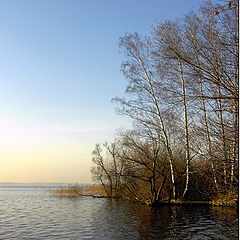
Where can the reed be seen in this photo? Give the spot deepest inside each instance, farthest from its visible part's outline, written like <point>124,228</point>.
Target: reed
<point>76,190</point>
<point>71,191</point>
<point>94,190</point>
<point>230,199</point>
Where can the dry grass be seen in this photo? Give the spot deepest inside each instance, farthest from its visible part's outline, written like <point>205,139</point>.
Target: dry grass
<point>77,191</point>
<point>179,202</point>
<point>71,191</point>
<point>94,190</point>
<point>194,202</point>
<point>230,199</point>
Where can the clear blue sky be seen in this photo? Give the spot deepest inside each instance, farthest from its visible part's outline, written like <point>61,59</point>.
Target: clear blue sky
<point>59,69</point>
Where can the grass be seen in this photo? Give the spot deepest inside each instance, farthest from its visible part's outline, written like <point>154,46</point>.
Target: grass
<point>179,202</point>
<point>78,191</point>
<point>71,191</point>
<point>230,199</point>
<point>94,190</point>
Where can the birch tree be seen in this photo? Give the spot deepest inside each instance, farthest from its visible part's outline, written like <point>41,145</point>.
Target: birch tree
<point>144,107</point>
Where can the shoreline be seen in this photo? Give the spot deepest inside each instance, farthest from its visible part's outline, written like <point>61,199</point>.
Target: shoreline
<point>97,192</point>
<point>192,203</point>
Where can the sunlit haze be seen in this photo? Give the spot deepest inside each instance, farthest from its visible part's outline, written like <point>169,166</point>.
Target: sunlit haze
<point>60,68</point>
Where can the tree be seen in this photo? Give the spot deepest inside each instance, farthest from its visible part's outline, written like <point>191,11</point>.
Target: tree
<point>107,168</point>
<point>144,107</point>
<point>145,162</point>
<point>182,97</point>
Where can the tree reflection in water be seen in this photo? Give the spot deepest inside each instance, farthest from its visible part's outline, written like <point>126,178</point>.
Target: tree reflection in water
<point>188,222</point>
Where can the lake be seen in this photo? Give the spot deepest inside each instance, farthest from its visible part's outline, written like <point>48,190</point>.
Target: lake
<point>28,211</point>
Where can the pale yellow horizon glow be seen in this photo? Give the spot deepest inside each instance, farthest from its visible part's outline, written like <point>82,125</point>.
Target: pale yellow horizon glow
<point>45,154</point>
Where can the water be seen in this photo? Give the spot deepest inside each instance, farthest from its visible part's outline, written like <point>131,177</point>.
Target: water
<point>29,212</point>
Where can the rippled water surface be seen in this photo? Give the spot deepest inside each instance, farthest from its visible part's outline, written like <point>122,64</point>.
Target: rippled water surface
<point>30,212</point>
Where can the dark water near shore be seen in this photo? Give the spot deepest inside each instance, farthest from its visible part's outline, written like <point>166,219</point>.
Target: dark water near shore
<point>27,211</point>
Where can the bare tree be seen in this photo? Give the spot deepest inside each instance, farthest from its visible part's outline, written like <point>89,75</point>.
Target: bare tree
<point>182,96</point>
<point>145,161</point>
<point>100,171</point>
<point>168,47</point>
<point>144,108</point>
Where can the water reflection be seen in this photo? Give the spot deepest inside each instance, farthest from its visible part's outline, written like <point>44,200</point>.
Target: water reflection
<point>184,222</point>
<point>119,218</point>
<point>30,213</point>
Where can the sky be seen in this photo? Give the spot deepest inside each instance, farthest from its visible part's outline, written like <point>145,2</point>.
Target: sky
<point>59,69</point>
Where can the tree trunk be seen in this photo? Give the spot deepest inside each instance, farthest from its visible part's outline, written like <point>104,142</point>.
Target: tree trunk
<point>187,151</point>
<point>164,134</point>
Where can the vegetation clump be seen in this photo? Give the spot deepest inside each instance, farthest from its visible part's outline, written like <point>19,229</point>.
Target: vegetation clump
<point>230,199</point>
<point>71,191</point>
<point>183,100</point>
<point>90,190</point>
<point>95,190</point>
